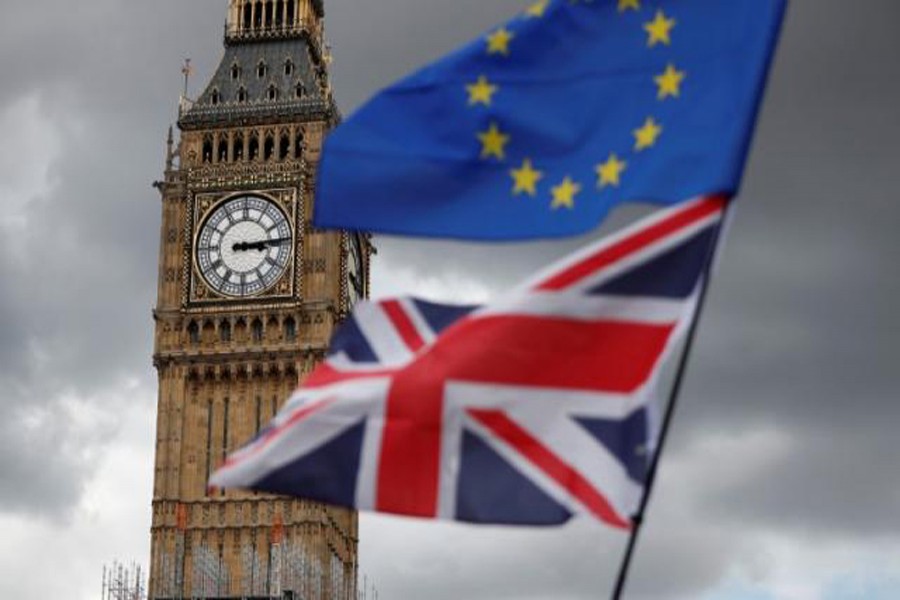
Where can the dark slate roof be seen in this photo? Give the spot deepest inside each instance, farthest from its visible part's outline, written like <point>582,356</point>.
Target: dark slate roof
<point>309,74</point>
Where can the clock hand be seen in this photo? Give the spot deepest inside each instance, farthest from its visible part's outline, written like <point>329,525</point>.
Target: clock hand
<point>259,246</point>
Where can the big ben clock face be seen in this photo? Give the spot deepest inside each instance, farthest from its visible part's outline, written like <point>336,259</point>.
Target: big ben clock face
<point>244,246</point>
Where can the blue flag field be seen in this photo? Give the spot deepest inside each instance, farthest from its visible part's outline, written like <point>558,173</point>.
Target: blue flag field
<point>541,126</point>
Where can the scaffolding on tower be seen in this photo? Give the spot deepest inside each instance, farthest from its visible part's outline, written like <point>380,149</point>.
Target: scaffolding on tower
<point>121,582</point>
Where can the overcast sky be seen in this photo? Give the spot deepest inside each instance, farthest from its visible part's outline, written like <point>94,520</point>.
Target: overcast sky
<point>782,481</point>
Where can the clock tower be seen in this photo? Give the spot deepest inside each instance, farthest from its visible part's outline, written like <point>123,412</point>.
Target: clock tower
<point>249,293</point>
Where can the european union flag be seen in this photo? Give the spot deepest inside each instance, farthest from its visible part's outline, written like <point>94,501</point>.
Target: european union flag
<point>544,124</point>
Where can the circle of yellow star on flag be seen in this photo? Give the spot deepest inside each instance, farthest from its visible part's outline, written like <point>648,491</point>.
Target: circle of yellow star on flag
<point>526,178</point>
<point>481,92</point>
<point>647,134</point>
<point>564,194</point>
<point>669,82</point>
<point>537,9</point>
<point>659,29</point>
<point>610,172</point>
<point>493,143</point>
<point>498,42</point>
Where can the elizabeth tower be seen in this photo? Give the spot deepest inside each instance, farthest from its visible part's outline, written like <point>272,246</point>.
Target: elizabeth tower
<point>249,293</point>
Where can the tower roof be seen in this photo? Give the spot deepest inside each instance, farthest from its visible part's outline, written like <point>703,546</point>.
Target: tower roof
<point>274,68</point>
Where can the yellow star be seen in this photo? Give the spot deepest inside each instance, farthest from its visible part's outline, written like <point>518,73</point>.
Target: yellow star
<point>610,172</point>
<point>481,92</point>
<point>537,9</point>
<point>647,134</point>
<point>493,143</point>
<point>564,194</point>
<point>526,178</point>
<point>498,42</point>
<point>670,82</point>
<point>632,4</point>
<point>660,29</point>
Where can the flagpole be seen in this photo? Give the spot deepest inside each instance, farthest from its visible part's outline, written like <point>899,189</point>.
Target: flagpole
<point>638,519</point>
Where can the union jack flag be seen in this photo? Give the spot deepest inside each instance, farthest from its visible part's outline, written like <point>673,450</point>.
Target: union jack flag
<point>530,410</point>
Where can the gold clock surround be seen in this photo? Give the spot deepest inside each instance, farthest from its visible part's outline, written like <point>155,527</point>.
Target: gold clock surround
<point>290,283</point>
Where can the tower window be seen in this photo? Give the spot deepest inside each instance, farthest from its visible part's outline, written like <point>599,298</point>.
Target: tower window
<point>194,333</point>
<point>269,14</point>
<point>279,13</point>
<point>237,152</point>
<point>256,330</point>
<point>300,90</point>
<point>242,95</point>
<point>298,145</point>
<point>235,71</point>
<point>225,331</point>
<point>207,149</point>
<point>284,146</point>
<point>254,148</point>
<point>272,93</point>
<point>289,67</point>
<point>215,97</point>
<point>269,148</point>
<point>223,149</point>
<point>258,15</point>
<point>248,15</point>
<point>290,11</point>
<point>261,70</point>
<point>290,330</point>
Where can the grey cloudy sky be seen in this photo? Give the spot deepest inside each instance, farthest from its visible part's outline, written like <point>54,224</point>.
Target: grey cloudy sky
<point>782,481</point>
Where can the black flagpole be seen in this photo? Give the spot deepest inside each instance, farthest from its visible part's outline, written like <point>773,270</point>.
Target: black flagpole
<point>638,519</point>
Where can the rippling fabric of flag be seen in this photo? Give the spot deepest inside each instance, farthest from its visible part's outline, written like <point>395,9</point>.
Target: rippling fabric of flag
<point>543,125</point>
<point>529,410</point>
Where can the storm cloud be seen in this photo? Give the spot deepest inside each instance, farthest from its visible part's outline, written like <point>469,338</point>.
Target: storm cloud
<point>781,480</point>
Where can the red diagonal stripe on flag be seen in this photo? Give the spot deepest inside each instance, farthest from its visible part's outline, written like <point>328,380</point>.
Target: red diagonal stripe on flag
<point>301,414</point>
<point>325,375</point>
<point>644,237</point>
<point>403,324</point>
<point>549,464</point>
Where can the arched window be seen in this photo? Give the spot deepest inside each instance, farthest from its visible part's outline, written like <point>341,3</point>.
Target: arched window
<point>237,152</point>
<point>284,146</point>
<point>300,90</point>
<point>279,13</point>
<point>207,149</point>
<point>254,148</point>
<point>242,94</point>
<point>194,333</point>
<point>223,149</point>
<point>298,145</point>
<point>272,93</point>
<point>269,148</point>
<point>248,15</point>
<point>290,329</point>
<point>215,97</point>
<point>261,69</point>
<point>257,22</point>
<point>236,71</point>
<point>288,67</point>
<point>256,330</point>
<point>270,17</point>
<point>225,331</point>
<point>290,11</point>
